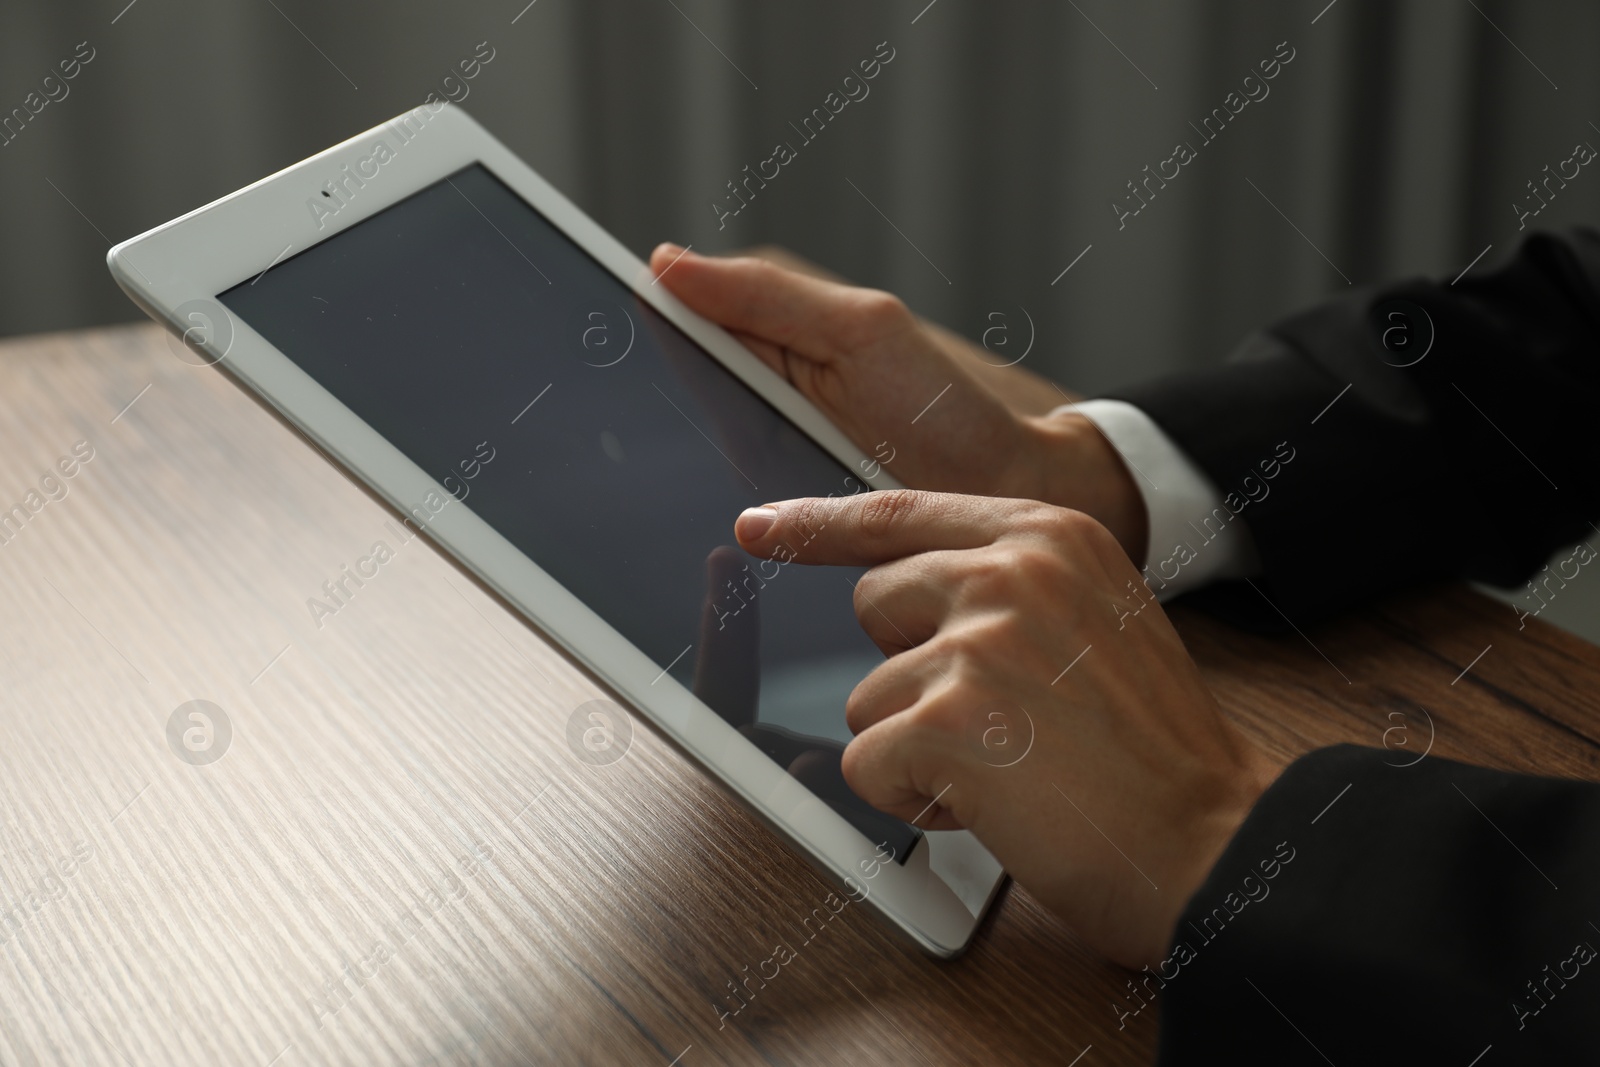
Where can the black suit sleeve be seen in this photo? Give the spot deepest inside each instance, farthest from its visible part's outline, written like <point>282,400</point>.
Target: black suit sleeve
<point>1477,460</point>
<point>1369,913</point>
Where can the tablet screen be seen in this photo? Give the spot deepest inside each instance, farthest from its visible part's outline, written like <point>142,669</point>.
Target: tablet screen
<point>504,360</point>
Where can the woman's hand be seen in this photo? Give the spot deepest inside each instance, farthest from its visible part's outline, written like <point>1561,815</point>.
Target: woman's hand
<point>1113,784</point>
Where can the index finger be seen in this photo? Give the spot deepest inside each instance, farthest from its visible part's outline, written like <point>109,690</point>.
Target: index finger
<point>871,528</point>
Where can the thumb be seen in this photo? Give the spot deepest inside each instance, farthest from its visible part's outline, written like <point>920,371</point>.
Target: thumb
<point>817,319</point>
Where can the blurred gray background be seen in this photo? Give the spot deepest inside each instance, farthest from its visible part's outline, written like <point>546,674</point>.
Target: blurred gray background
<point>983,162</point>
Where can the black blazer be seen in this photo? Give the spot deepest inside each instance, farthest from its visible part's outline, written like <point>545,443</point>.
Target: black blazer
<point>1477,461</point>
<point>1368,911</point>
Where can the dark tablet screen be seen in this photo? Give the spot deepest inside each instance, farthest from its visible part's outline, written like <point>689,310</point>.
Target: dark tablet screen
<point>503,359</point>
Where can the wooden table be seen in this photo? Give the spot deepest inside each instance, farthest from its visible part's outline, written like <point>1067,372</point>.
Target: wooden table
<point>400,859</point>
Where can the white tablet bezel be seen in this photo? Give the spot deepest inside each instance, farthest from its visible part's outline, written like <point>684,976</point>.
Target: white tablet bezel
<point>939,896</point>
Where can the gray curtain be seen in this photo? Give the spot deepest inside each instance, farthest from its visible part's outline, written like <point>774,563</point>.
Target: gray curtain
<point>984,160</point>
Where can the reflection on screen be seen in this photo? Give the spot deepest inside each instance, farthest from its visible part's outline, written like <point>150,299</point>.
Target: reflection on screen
<point>597,438</point>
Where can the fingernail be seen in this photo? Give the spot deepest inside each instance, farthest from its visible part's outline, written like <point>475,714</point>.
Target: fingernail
<point>753,523</point>
<point>669,248</point>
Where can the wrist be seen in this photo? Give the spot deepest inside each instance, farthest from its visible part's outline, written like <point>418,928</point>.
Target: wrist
<point>1214,822</point>
<point>1075,466</point>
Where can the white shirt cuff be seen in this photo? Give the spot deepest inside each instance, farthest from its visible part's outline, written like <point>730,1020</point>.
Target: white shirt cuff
<point>1194,538</point>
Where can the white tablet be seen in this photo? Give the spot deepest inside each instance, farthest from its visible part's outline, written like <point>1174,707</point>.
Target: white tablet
<point>464,341</point>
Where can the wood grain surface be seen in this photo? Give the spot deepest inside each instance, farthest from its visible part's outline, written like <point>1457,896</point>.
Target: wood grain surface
<point>400,859</point>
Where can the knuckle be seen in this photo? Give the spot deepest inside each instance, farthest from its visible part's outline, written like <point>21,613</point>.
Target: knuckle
<point>1005,645</point>
<point>1010,573</point>
<point>753,259</point>
<point>883,513</point>
<point>990,575</point>
<point>865,594</point>
<point>1006,638</point>
<point>1064,526</point>
<point>763,271</point>
<point>961,652</point>
<point>877,312</point>
<point>1036,565</point>
<point>992,641</point>
<point>984,652</point>
<point>1047,520</point>
<point>944,715</point>
<point>770,253</point>
<point>855,773</point>
<point>858,707</point>
<point>878,305</point>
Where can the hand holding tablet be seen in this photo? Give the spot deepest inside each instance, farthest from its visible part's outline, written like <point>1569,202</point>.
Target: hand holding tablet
<point>891,382</point>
